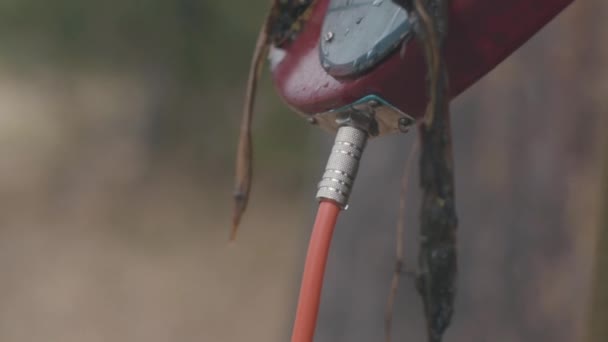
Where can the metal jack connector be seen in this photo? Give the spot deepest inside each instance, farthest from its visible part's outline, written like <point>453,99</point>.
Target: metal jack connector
<point>341,170</point>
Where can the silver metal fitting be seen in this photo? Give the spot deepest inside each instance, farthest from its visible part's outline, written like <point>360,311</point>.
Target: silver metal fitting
<point>339,176</point>
<point>370,113</point>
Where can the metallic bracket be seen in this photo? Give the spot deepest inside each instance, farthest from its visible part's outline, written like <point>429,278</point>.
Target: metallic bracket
<point>385,119</point>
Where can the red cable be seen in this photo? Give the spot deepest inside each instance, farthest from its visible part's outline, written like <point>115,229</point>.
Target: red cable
<point>314,270</point>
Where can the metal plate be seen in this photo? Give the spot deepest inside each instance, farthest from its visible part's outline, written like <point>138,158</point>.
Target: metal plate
<point>357,34</point>
<point>385,118</point>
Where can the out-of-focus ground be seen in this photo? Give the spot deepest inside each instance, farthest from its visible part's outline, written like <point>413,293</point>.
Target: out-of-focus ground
<point>117,134</point>
<point>94,246</point>
<point>118,126</point>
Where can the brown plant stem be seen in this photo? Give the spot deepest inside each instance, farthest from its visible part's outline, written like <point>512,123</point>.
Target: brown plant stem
<point>244,157</point>
<point>399,244</point>
<point>598,329</point>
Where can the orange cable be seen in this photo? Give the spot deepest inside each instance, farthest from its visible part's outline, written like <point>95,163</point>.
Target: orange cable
<point>314,270</point>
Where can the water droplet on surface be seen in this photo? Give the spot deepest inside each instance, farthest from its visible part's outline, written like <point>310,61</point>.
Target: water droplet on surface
<point>359,20</point>
<point>371,54</point>
<point>329,36</point>
<point>377,2</point>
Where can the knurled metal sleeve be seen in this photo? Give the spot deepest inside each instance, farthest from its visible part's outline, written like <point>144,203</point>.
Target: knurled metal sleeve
<point>341,170</point>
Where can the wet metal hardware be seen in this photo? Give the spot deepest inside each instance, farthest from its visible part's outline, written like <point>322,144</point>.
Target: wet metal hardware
<point>370,113</point>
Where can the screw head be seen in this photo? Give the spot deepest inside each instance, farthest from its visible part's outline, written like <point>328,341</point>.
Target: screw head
<point>373,103</point>
<point>404,124</point>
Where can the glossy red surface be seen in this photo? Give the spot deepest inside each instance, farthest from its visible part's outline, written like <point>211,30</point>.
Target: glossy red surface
<point>482,34</point>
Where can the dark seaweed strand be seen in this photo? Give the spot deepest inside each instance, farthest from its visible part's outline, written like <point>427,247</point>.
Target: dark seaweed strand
<point>288,18</point>
<point>437,256</point>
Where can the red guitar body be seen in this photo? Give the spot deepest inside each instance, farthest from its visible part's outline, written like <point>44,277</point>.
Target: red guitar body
<point>482,33</point>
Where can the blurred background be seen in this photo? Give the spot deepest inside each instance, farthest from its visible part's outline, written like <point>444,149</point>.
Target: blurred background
<point>118,127</point>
